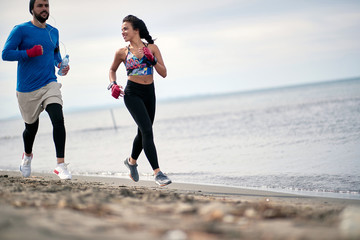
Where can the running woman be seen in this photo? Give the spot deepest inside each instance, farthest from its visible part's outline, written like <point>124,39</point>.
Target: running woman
<point>140,59</point>
<point>35,46</point>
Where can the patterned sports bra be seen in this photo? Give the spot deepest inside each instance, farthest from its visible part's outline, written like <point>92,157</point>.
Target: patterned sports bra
<point>137,67</point>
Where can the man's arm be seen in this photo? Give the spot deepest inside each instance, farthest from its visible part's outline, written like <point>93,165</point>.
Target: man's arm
<point>57,54</point>
<point>11,51</point>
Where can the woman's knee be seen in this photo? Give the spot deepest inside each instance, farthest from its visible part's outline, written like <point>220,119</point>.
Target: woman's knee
<point>147,133</point>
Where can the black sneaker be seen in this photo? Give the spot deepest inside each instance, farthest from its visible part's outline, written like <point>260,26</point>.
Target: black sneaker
<point>134,175</point>
<point>162,179</point>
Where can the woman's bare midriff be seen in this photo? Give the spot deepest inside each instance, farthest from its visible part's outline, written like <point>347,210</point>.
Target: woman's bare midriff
<point>146,80</point>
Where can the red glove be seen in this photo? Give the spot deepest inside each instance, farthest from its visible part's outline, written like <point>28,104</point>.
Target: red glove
<point>115,91</point>
<point>35,51</point>
<point>149,56</point>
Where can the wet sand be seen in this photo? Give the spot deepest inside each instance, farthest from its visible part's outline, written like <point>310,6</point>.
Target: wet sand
<point>44,207</point>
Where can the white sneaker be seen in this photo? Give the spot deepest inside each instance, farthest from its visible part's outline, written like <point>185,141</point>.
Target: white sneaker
<point>62,172</point>
<point>25,167</point>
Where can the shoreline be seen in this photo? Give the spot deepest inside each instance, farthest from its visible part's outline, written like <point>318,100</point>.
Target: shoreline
<point>92,207</point>
<point>303,193</point>
<point>148,182</point>
<point>221,190</point>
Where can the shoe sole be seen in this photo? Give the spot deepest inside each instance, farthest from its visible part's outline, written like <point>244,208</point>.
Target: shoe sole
<point>57,174</point>
<point>67,178</point>
<point>165,184</point>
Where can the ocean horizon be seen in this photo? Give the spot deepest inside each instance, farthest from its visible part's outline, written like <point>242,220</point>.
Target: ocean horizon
<point>70,110</point>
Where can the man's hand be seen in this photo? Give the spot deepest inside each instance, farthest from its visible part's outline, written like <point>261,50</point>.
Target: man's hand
<point>65,70</point>
<point>35,51</point>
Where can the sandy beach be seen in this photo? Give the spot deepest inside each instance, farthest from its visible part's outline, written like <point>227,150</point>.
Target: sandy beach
<point>44,207</point>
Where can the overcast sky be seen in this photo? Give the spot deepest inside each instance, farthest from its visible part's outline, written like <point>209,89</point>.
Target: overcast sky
<point>208,46</point>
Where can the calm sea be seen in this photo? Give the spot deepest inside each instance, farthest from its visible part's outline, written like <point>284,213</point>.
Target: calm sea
<point>303,140</point>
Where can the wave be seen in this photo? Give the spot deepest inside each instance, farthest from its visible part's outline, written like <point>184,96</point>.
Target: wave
<point>341,186</point>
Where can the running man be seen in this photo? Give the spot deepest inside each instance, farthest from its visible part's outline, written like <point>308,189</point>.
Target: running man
<point>35,46</point>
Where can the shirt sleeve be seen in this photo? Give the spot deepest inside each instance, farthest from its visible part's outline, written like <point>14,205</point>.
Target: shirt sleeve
<point>11,50</point>
<point>57,55</point>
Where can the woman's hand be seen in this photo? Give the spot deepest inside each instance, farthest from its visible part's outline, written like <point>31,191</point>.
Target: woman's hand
<point>116,91</point>
<point>148,54</point>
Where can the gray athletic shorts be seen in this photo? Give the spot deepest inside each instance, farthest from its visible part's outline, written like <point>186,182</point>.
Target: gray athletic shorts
<point>31,104</point>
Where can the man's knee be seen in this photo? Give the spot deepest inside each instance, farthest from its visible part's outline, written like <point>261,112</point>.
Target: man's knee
<point>32,128</point>
<point>56,114</point>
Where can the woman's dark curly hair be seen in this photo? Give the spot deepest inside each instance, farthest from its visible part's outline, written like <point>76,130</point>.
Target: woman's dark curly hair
<point>139,24</point>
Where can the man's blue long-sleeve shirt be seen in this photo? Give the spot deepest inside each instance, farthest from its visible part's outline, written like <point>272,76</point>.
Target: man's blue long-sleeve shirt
<point>36,72</point>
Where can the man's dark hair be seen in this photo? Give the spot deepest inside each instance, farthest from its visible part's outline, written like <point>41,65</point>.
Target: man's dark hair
<point>31,5</point>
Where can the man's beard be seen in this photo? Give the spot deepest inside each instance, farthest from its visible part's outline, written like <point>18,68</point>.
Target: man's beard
<point>40,18</point>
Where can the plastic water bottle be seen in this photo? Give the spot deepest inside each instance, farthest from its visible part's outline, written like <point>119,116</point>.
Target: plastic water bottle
<point>64,64</point>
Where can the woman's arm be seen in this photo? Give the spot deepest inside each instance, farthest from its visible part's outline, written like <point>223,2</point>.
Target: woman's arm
<point>118,59</point>
<point>159,66</point>
<point>116,90</point>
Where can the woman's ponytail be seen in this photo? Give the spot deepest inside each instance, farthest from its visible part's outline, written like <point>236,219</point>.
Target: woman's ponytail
<point>147,37</point>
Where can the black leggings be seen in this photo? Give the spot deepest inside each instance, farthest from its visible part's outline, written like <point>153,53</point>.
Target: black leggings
<point>140,100</point>
<point>59,135</point>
